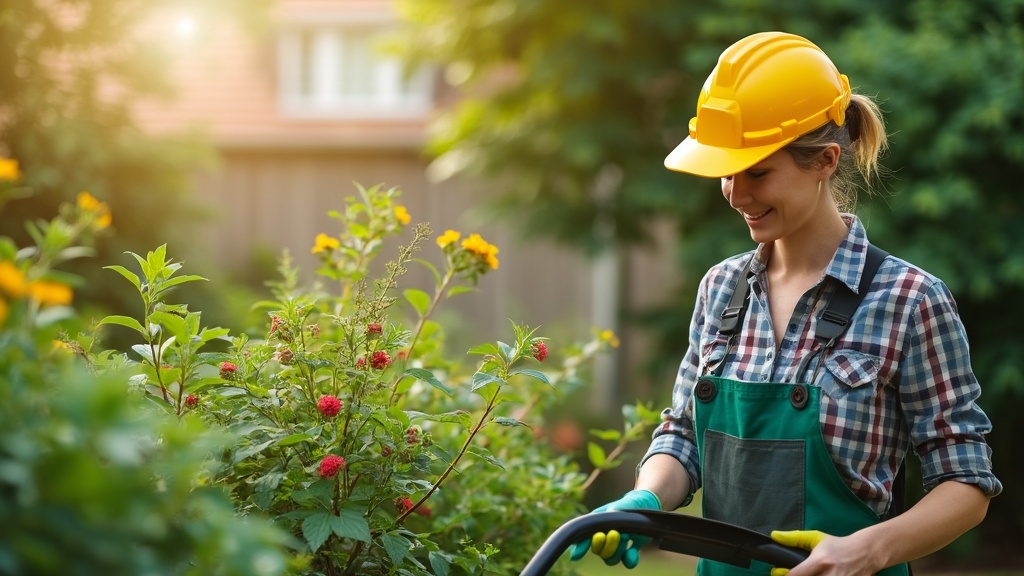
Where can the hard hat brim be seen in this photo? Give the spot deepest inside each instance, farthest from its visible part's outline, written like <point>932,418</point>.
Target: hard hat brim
<point>692,157</point>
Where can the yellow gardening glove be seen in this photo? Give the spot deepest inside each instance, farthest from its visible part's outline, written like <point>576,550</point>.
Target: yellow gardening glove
<point>806,539</point>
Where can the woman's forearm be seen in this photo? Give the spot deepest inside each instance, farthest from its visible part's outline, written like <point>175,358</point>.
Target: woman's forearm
<point>666,477</point>
<point>941,516</point>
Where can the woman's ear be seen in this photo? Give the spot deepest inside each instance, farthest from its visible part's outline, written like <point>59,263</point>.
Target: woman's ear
<point>830,159</point>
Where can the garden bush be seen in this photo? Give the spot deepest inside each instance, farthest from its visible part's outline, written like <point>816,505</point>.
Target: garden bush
<point>340,433</point>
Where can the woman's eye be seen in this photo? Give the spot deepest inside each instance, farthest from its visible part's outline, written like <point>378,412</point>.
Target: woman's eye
<point>756,173</point>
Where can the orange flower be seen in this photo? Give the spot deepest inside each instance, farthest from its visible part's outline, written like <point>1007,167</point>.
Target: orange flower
<point>482,248</point>
<point>402,215</point>
<point>9,169</point>
<point>448,237</point>
<point>4,310</point>
<point>98,210</point>
<point>49,293</point>
<point>325,242</point>
<point>12,279</point>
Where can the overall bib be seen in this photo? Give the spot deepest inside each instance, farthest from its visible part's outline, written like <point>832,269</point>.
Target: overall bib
<point>764,462</point>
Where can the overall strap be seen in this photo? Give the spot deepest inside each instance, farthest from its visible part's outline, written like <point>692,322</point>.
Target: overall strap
<point>833,320</point>
<point>836,316</point>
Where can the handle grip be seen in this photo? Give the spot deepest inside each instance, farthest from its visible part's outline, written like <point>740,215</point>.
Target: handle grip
<point>671,531</point>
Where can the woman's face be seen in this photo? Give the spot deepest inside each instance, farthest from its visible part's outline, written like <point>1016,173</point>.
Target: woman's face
<point>778,199</point>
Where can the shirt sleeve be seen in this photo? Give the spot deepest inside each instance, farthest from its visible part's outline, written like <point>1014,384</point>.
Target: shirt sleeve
<point>675,436</point>
<point>939,393</point>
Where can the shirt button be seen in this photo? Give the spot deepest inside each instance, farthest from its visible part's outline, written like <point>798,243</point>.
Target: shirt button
<point>769,355</point>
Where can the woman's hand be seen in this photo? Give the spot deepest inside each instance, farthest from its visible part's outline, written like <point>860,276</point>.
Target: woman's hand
<point>830,555</point>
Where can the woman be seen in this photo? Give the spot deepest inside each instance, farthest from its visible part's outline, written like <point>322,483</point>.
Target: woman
<point>795,422</point>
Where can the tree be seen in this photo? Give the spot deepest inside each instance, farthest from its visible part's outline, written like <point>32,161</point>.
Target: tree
<point>567,99</point>
<point>70,75</point>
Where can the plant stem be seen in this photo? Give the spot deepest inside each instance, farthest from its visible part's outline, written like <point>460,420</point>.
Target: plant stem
<point>458,457</point>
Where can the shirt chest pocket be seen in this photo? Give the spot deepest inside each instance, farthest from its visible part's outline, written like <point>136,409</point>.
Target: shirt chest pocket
<point>850,376</point>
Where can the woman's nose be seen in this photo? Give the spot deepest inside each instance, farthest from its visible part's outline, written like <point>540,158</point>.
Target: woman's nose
<point>735,193</point>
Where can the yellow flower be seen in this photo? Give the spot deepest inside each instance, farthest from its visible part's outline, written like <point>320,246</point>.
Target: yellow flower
<point>98,210</point>
<point>9,169</point>
<point>401,214</point>
<point>609,337</point>
<point>49,293</point>
<point>12,280</point>
<point>325,242</point>
<point>448,237</point>
<point>482,248</point>
<point>4,310</point>
<point>88,202</point>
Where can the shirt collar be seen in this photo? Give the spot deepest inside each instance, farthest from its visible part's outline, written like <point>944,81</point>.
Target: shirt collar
<point>847,263</point>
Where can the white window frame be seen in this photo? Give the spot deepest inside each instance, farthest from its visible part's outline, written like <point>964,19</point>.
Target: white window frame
<point>323,94</point>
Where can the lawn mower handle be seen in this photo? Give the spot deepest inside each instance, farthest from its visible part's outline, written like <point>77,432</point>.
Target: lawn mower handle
<point>670,531</point>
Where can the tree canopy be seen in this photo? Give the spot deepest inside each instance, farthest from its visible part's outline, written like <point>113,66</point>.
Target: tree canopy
<point>71,73</point>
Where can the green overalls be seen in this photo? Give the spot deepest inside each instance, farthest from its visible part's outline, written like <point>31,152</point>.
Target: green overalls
<point>764,463</point>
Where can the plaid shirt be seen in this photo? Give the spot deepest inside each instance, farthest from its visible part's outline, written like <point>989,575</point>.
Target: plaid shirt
<point>899,377</point>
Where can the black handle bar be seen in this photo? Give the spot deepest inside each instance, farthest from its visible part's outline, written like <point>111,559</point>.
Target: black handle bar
<point>671,531</point>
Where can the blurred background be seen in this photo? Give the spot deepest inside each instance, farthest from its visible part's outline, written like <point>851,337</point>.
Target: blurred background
<point>228,130</point>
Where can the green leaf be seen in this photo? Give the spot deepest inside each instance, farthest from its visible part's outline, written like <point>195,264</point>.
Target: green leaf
<point>396,546</point>
<point>533,374</point>
<point>428,377</point>
<point>213,333</point>
<point>419,300</point>
<point>126,321</point>
<point>506,421</point>
<point>481,379</point>
<point>399,415</point>
<point>507,352</point>
<point>460,290</point>
<point>610,435</point>
<point>432,268</point>
<point>485,349</point>
<point>596,454</point>
<point>460,416</point>
<point>250,451</point>
<point>439,564</point>
<point>127,274</point>
<point>485,455</point>
<point>293,439</point>
<point>317,529</point>
<point>351,524</point>
<point>173,323</point>
<point>168,284</point>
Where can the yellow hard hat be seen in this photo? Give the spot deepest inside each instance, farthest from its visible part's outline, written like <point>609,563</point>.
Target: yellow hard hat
<point>767,89</point>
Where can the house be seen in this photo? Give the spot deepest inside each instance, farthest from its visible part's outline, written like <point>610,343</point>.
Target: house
<point>303,110</point>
